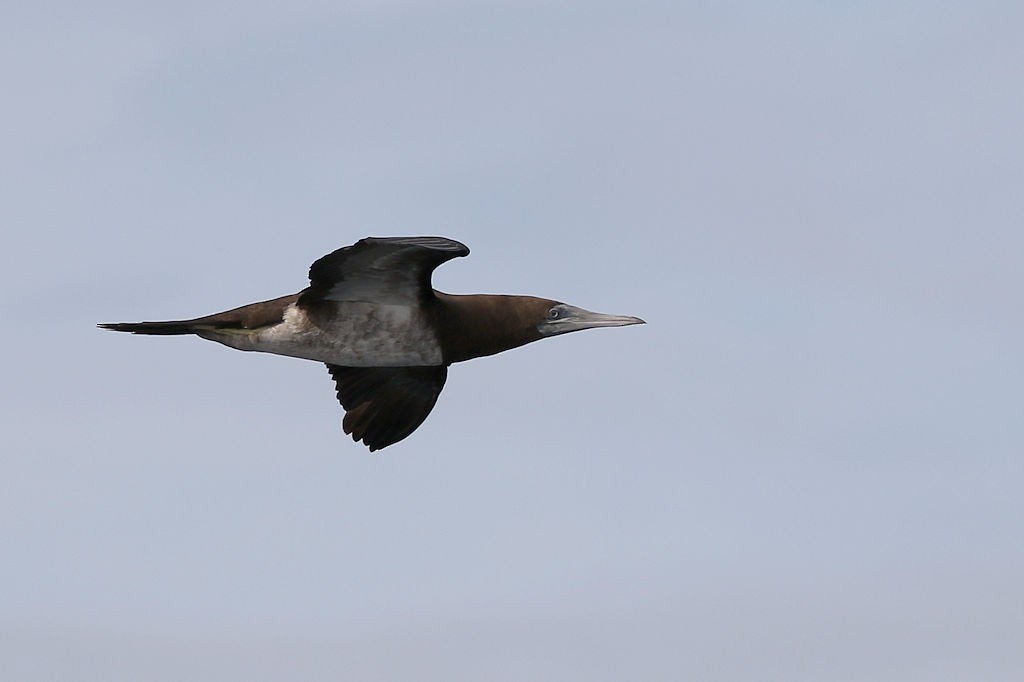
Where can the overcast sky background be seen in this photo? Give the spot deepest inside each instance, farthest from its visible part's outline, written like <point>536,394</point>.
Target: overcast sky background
<point>807,466</point>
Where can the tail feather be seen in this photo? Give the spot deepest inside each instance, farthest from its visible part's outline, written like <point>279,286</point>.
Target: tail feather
<point>167,328</point>
<point>252,316</point>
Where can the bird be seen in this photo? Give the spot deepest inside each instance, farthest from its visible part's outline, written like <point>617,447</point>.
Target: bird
<point>371,314</point>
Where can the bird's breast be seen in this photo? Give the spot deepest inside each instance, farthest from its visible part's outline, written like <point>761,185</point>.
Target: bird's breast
<point>352,333</point>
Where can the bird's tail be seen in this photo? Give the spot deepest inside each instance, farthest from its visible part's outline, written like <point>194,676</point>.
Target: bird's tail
<point>166,328</point>
<point>252,316</point>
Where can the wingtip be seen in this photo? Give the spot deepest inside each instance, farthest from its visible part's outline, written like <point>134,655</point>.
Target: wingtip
<point>431,242</point>
<point>359,437</point>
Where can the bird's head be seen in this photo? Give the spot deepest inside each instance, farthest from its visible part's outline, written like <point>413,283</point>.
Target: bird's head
<point>562,318</point>
<point>484,324</point>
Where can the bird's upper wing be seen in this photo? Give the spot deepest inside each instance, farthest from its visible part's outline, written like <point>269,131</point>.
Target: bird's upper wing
<point>380,270</point>
<point>383,405</point>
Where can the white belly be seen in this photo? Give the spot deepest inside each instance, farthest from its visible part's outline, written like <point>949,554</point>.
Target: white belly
<point>353,333</point>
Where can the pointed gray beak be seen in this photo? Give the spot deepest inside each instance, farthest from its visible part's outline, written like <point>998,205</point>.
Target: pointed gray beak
<point>569,318</point>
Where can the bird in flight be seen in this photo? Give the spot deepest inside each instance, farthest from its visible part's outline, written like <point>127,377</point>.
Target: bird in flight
<point>386,335</point>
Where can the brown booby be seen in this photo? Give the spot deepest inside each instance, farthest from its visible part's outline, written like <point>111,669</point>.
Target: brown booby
<point>387,337</point>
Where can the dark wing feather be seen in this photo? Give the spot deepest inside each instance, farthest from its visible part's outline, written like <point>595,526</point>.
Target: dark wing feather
<point>383,405</point>
<point>380,270</point>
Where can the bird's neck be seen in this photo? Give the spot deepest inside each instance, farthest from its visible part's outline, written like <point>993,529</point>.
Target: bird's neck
<point>476,325</point>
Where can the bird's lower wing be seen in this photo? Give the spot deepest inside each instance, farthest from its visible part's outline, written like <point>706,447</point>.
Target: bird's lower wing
<point>383,405</point>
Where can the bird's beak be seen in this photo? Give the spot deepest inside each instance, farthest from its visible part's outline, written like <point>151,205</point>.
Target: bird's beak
<point>574,319</point>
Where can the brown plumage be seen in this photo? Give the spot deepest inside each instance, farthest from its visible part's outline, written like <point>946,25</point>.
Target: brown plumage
<point>387,337</point>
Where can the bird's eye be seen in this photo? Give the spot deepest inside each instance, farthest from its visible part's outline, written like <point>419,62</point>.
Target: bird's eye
<point>553,314</point>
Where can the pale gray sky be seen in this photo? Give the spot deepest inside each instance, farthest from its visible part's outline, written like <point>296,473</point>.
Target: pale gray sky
<point>807,466</point>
